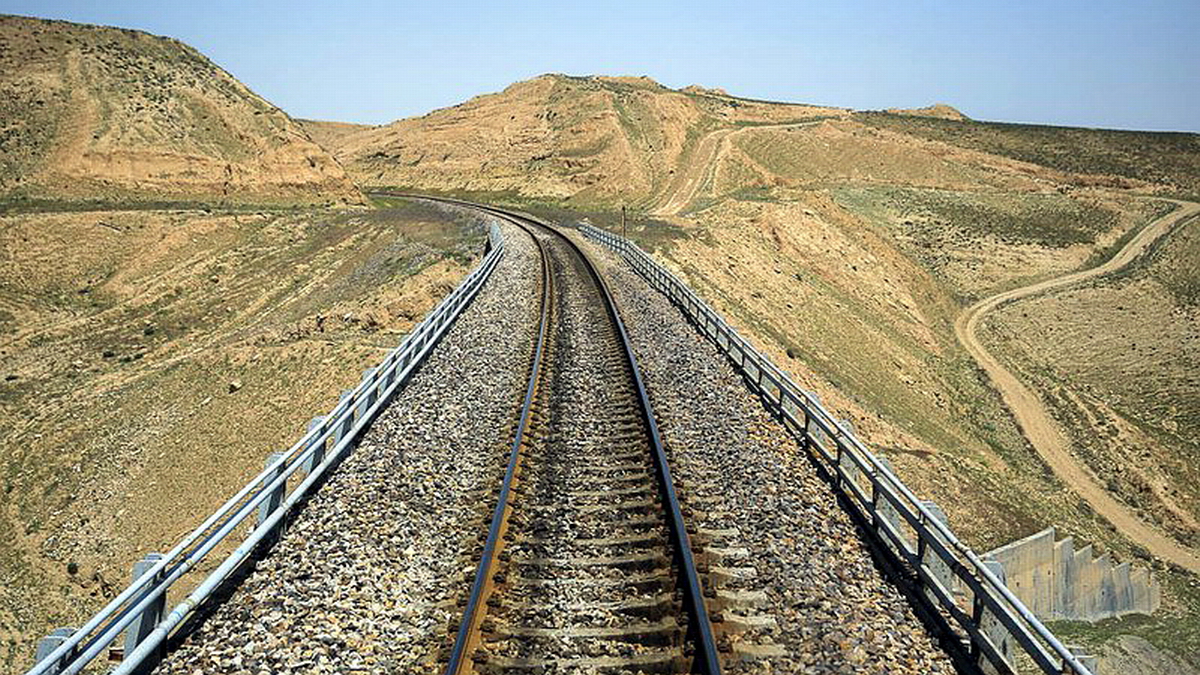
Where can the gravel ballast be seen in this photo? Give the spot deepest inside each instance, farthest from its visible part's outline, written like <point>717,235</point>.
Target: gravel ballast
<point>796,575</point>
<point>368,575</point>
<point>588,584</point>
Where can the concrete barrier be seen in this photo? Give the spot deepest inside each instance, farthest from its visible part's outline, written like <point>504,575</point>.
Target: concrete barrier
<point>1057,582</point>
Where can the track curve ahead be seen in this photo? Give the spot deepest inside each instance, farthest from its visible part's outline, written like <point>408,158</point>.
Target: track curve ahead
<point>587,566</point>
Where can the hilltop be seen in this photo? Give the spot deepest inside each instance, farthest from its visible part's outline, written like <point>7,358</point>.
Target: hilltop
<point>937,110</point>
<point>90,113</point>
<point>603,141</point>
<point>844,243</point>
<point>583,138</point>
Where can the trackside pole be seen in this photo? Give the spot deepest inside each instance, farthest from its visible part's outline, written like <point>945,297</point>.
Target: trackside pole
<point>319,453</point>
<point>48,644</point>
<point>272,502</point>
<point>152,614</point>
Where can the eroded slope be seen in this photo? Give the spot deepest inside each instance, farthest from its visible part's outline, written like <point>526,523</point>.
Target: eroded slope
<point>89,113</point>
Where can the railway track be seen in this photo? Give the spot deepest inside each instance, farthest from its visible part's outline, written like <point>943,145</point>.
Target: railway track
<point>587,567</point>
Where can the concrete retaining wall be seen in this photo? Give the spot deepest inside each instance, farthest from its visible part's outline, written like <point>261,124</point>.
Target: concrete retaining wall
<point>1057,582</point>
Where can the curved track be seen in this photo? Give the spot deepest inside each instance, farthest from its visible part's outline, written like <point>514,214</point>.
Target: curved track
<point>587,566</point>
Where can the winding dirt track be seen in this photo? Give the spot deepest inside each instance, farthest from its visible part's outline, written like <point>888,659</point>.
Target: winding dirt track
<point>703,164</point>
<point>1035,420</point>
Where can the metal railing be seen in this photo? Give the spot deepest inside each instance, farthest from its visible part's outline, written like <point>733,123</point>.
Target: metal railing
<point>967,593</point>
<point>138,611</point>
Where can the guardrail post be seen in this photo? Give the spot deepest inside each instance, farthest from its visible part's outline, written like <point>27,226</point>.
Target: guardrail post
<point>849,470</point>
<point>348,422</point>
<point>885,511</point>
<point>1089,661</point>
<point>369,376</point>
<point>48,644</point>
<point>920,541</point>
<point>318,454</point>
<point>938,568</point>
<point>150,617</point>
<point>273,500</point>
<point>991,627</point>
<point>811,428</point>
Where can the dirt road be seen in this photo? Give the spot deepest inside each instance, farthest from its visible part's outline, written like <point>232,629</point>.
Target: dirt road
<point>686,184</point>
<point>1035,420</point>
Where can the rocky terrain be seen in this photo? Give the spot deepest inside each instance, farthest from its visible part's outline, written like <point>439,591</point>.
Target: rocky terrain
<point>368,576</point>
<point>94,114</point>
<point>375,589</point>
<point>149,280</point>
<point>827,607</point>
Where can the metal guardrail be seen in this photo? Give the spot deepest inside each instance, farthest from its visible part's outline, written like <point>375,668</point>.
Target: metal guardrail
<point>969,596</point>
<point>138,611</point>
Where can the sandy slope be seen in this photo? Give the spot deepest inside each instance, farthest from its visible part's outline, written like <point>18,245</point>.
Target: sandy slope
<point>92,113</point>
<point>1042,431</point>
<point>699,170</point>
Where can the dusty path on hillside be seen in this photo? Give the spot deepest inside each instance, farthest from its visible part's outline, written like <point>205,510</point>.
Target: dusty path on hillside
<point>1035,420</point>
<point>703,163</point>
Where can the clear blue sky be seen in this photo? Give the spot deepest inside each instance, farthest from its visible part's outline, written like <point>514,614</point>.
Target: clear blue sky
<point>1100,63</point>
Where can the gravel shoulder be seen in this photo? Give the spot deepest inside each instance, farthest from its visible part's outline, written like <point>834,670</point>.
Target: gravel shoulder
<point>368,575</point>
<point>796,587</point>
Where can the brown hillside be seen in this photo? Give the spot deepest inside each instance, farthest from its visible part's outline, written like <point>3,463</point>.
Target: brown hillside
<point>589,139</point>
<point>331,134</point>
<point>106,114</point>
<point>121,332</point>
<point>938,110</point>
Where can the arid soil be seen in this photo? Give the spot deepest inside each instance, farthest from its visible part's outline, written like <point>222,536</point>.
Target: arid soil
<point>1036,420</point>
<point>846,244</point>
<point>700,168</point>
<point>152,359</point>
<point>1116,360</point>
<point>331,134</point>
<point>93,114</point>
<point>937,110</point>
<point>583,139</point>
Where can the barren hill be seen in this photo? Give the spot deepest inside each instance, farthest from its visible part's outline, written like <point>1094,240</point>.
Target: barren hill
<point>938,110</point>
<point>331,134</point>
<point>600,141</point>
<point>591,139</point>
<point>107,114</point>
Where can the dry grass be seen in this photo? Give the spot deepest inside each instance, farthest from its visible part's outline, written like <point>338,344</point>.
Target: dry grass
<point>120,333</point>
<point>591,141</point>
<point>1119,360</point>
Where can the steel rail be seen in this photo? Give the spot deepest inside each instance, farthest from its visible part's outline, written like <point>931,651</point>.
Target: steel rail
<point>468,627</point>
<point>706,660</point>
<point>147,648</point>
<point>1043,647</point>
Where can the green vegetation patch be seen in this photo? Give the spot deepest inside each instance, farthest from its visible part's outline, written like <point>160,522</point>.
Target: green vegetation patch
<point>1174,628</point>
<point>652,234</point>
<point>1053,220</point>
<point>1174,263</point>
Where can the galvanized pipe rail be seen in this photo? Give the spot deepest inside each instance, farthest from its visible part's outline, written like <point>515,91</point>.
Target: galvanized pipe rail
<point>138,609</point>
<point>909,531</point>
<point>706,660</point>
